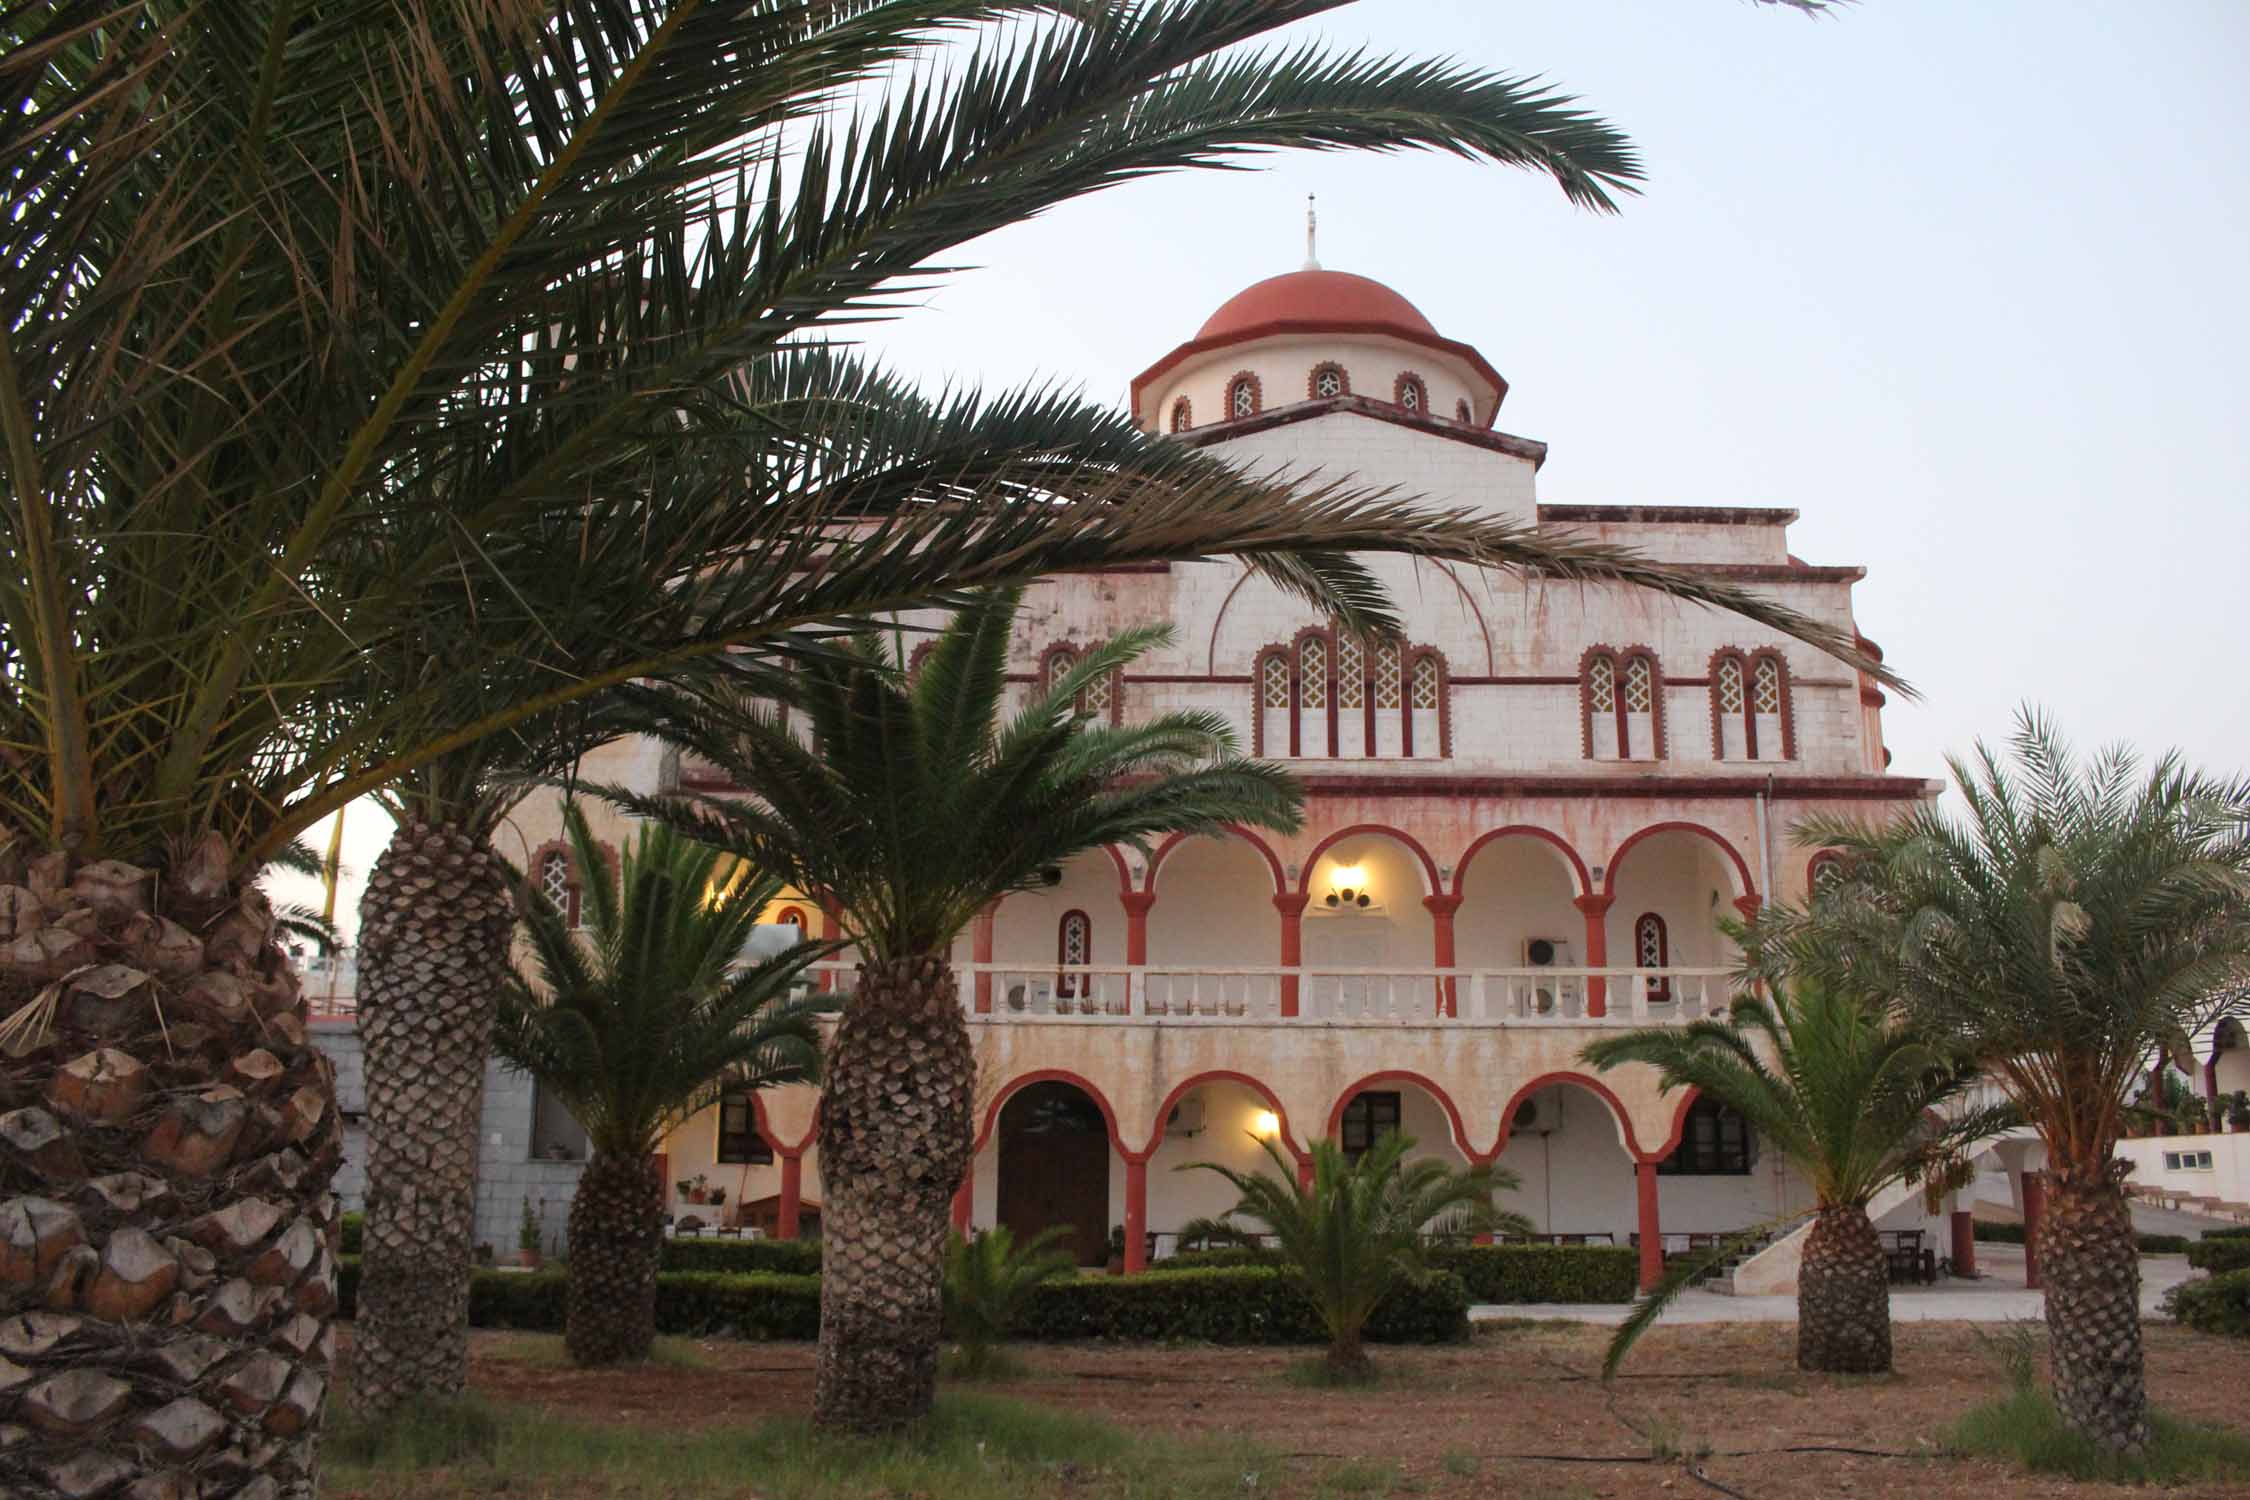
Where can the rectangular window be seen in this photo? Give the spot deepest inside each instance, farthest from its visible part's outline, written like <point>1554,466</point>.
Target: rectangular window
<point>739,1141</point>
<point>1716,1143</point>
<point>2171,1161</point>
<point>1367,1119</point>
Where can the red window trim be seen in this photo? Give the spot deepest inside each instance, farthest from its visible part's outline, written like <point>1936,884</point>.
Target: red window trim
<point>793,916</point>
<point>1620,660</point>
<point>1293,656</point>
<point>1661,991</point>
<point>1183,415</point>
<point>1399,386</point>
<point>1066,985</point>
<point>1257,396</point>
<point>1312,379</point>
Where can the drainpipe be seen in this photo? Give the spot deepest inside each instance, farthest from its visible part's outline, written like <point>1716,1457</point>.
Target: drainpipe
<point>1765,842</point>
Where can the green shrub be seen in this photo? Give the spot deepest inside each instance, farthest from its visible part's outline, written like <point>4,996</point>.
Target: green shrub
<point>2025,1427</point>
<point>2214,1304</point>
<point>2150,1244</point>
<point>353,1228</point>
<point>1225,1258</point>
<point>757,1305</point>
<point>2228,1234</point>
<point>1233,1305</point>
<point>740,1257</point>
<point>1543,1273</point>
<point>2218,1256</point>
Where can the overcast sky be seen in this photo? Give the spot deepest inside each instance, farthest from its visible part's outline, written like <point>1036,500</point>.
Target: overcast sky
<point>1963,283</point>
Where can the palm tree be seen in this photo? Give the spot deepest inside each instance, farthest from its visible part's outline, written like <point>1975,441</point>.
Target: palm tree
<point>2080,918</point>
<point>1848,1092</point>
<point>915,805</point>
<point>342,346</point>
<point>989,1280</point>
<point>1356,1231</point>
<point>635,1025</point>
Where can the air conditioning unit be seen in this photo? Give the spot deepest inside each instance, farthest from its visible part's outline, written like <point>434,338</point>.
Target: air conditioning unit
<point>1186,1119</point>
<point>1549,953</point>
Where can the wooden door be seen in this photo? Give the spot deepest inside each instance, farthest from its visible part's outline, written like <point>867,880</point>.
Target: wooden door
<point>1054,1168</point>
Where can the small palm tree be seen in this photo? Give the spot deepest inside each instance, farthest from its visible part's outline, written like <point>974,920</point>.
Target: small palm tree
<point>2083,917</point>
<point>1356,1231</point>
<point>1844,1089</point>
<point>989,1279</point>
<point>915,805</point>
<point>635,1024</point>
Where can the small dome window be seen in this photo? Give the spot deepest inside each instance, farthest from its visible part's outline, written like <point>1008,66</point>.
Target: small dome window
<point>1461,412</point>
<point>1328,379</point>
<point>1411,393</point>
<point>1183,415</point>
<point>1243,396</point>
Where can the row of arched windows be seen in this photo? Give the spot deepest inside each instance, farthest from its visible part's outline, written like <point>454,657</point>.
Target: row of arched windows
<point>1246,395</point>
<point>1621,705</point>
<point>1333,695</point>
<point>1101,698</point>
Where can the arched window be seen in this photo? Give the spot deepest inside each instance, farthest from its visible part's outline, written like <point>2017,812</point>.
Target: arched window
<point>1333,695</point>
<point>1411,393</point>
<point>559,884</point>
<point>1822,871</point>
<point>1652,949</point>
<point>1101,698</point>
<point>1327,379</point>
<point>1461,412</point>
<point>1715,1142</point>
<point>1074,948</point>
<point>1750,706</point>
<point>1620,697</point>
<point>1183,415</point>
<point>1243,396</point>
<point>792,916</point>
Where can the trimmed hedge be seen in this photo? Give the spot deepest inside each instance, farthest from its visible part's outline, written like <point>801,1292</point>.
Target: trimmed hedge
<point>1224,1259</point>
<point>2228,1234</point>
<point>1232,1305</point>
<point>2150,1244</point>
<point>2220,1255</point>
<point>1244,1305</point>
<point>2215,1304</point>
<point>1543,1273</point>
<point>741,1257</point>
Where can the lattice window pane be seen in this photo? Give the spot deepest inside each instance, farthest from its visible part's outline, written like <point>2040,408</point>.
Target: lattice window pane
<point>1648,943</point>
<point>1730,686</point>
<point>1601,685</point>
<point>1312,662</point>
<point>554,880</point>
<point>1768,686</point>
<point>1329,383</point>
<point>1052,669</point>
<point>1077,939</point>
<point>1273,689</point>
<point>1100,693</point>
<point>1243,399</point>
<point>1386,676</point>
<point>1640,686</point>
<point>1351,672</point>
<point>1410,396</point>
<point>1426,683</point>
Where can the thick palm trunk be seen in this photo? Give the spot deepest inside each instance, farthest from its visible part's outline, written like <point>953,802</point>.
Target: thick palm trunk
<point>894,1140</point>
<point>2091,1267</point>
<point>616,1237</point>
<point>1844,1296</point>
<point>167,1237</point>
<point>434,927</point>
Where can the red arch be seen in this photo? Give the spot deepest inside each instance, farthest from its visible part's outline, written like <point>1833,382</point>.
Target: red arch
<point>1431,884</point>
<point>1461,869</point>
<point>1617,859</point>
<point>1078,1081</point>
<point>1217,1075</point>
<point>1232,830</point>
<point>1124,875</point>
<point>1427,1086</point>
<point>765,1127</point>
<point>1671,1142</point>
<point>1599,1090</point>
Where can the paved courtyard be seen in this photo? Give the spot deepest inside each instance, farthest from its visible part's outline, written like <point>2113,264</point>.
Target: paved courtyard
<point>1997,1296</point>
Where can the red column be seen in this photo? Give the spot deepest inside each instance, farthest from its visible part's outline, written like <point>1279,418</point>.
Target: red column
<point>2034,1209</point>
<point>1291,905</point>
<point>1597,949</point>
<point>831,927</point>
<point>792,1195</point>
<point>1652,1227</point>
<point>965,1199</point>
<point>1965,1243</point>
<point>1748,906</point>
<point>1136,904</point>
<point>1136,1215</point>
<point>1441,910</point>
<point>980,951</point>
<point>1305,1172</point>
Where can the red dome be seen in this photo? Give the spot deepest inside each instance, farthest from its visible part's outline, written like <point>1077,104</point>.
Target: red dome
<point>1313,296</point>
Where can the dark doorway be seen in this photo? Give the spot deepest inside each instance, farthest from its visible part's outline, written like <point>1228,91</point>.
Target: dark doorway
<point>1054,1167</point>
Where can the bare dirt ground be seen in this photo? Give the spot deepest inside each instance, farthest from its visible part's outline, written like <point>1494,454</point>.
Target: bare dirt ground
<point>1517,1410</point>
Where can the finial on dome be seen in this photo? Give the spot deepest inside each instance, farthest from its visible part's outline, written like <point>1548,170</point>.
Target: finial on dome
<point>1312,233</point>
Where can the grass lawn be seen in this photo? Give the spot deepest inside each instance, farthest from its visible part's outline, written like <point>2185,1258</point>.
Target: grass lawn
<point>1515,1411</point>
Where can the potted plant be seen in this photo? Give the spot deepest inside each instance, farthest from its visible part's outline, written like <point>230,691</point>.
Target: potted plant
<point>2194,1116</point>
<point>2238,1110</point>
<point>697,1189</point>
<point>684,1187</point>
<point>1116,1265</point>
<point>484,1254</point>
<point>527,1238</point>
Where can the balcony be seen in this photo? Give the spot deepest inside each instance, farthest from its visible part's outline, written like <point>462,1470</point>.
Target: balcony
<point>1175,995</point>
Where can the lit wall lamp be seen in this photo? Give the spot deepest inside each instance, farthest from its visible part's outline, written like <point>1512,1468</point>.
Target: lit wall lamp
<point>1347,886</point>
<point>1265,1124</point>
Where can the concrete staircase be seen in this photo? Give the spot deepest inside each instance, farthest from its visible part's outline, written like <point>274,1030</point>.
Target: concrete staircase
<point>1721,1277</point>
<point>1772,1272</point>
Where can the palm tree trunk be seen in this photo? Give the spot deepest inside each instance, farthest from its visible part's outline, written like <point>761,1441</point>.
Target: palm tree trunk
<point>1844,1296</point>
<point>1347,1357</point>
<point>894,1140</point>
<point>167,1136</point>
<point>616,1239</point>
<point>2091,1267</point>
<point>434,927</point>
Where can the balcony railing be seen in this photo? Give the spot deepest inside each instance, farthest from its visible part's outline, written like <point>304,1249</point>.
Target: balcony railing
<point>1171,994</point>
